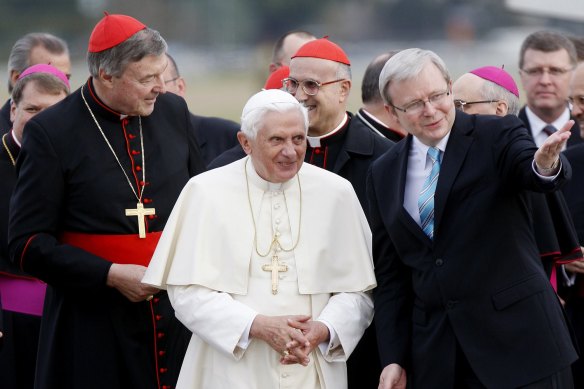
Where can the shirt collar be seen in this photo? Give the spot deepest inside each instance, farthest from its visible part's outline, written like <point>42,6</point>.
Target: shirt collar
<point>537,124</point>
<point>314,141</point>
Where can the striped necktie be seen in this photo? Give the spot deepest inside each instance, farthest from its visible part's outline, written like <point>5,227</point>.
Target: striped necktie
<point>426,199</point>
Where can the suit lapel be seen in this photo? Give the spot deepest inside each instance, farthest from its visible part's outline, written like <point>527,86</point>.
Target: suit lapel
<point>394,204</point>
<point>456,150</point>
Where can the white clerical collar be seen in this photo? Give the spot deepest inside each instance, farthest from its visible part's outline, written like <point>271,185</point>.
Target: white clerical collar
<point>421,150</point>
<point>15,140</point>
<point>264,185</point>
<point>314,141</point>
<point>537,124</point>
<point>375,119</point>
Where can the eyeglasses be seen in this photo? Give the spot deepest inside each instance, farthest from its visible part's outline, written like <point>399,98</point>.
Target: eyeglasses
<point>459,104</point>
<point>417,106</point>
<point>552,71</point>
<point>577,101</point>
<point>172,79</point>
<point>310,87</point>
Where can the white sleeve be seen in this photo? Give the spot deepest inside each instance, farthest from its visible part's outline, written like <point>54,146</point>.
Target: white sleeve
<point>213,316</point>
<point>349,315</point>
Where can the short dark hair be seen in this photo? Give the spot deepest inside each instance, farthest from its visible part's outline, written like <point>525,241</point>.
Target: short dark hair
<point>114,60</point>
<point>46,82</point>
<point>19,58</point>
<point>279,45</point>
<point>370,85</point>
<point>547,41</point>
<point>172,63</point>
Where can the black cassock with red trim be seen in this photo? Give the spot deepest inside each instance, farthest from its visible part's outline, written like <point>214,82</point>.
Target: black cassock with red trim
<point>70,184</point>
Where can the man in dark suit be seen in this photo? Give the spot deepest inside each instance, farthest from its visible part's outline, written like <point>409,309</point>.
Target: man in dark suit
<point>462,299</point>
<point>574,295</point>
<point>373,113</point>
<point>546,63</point>
<point>214,135</point>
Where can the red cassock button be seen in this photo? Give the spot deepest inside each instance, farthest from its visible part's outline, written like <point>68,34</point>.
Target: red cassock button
<point>160,335</point>
<point>163,370</point>
<point>152,217</point>
<point>131,136</point>
<point>158,317</point>
<point>135,152</point>
<point>317,151</point>
<point>161,353</point>
<point>138,168</point>
<point>156,300</point>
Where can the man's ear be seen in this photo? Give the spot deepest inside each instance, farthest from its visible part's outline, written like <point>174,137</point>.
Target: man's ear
<point>106,79</point>
<point>13,77</point>
<point>345,90</point>
<point>502,108</point>
<point>244,142</point>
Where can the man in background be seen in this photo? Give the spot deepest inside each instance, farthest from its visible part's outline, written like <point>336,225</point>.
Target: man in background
<point>546,62</point>
<point>37,88</point>
<point>214,135</point>
<point>286,46</point>
<point>373,113</point>
<point>33,48</point>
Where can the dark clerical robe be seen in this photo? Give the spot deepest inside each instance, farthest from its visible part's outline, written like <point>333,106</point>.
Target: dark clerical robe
<point>214,135</point>
<point>21,295</point>
<point>5,123</point>
<point>72,189</point>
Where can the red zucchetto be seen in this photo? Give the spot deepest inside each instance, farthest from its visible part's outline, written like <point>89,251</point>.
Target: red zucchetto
<point>274,81</point>
<point>113,30</point>
<point>323,48</point>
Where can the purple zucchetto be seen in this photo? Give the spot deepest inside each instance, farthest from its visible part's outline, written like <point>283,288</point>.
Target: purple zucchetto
<point>498,76</point>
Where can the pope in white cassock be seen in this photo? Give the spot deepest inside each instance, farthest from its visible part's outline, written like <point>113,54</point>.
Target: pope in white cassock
<point>268,262</point>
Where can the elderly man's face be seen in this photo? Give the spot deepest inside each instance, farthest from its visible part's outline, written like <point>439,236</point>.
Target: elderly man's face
<point>135,91</point>
<point>435,120</point>
<point>327,108</point>
<point>278,149</point>
<point>33,101</point>
<point>468,89</point>
<point>577,96</point>
<point>546,78</point>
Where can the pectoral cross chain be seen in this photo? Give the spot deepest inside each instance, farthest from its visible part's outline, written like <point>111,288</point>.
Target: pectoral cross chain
<point>276,267</point>
<point>140,212</point>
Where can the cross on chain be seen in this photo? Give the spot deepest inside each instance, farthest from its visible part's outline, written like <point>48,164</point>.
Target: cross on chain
<point>276,267</point>
<point>140,212</point>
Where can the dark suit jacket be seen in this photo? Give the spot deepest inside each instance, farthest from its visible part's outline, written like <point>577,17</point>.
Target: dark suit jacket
<point>480,283</point>
<point>214,135</point>
<point>575,138</point>
<point>5,123</point>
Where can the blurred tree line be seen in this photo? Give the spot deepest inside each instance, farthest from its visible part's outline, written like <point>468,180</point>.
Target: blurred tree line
<point>248,22</point>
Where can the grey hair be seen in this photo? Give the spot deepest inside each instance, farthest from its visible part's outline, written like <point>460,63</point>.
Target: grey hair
<point>254,120</point>
<point>113,61</point>
<point>344,71</point>
<point>19,58</point>
<point>408,64</point>
<point>491,91</point>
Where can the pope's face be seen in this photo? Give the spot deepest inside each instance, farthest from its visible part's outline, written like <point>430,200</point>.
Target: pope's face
<point>278,149</point>
<point>135,91</point>
<point>436,119</point>
<point>33,101</point>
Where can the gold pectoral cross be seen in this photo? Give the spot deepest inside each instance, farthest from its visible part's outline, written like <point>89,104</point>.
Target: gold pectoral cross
<point>276,267</point>
<point>140,212</point>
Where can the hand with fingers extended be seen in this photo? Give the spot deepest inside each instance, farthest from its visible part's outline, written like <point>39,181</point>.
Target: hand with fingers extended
<point>315,333</point>
<point>276,331</point>
<point>127,279</point>
<point>547,157</point>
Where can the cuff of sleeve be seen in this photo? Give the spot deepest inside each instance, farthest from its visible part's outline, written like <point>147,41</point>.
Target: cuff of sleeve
<point>547,178</point>
<point>333,342</point>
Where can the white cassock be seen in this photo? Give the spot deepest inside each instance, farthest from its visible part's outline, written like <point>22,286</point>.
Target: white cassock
<point>208,261</point>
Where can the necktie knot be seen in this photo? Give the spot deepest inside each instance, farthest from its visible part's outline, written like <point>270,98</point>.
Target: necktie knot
<point>549,129</point>
<point>434,154</point>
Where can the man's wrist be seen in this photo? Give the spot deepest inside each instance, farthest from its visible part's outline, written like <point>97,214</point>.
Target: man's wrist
<point>548,170</point>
